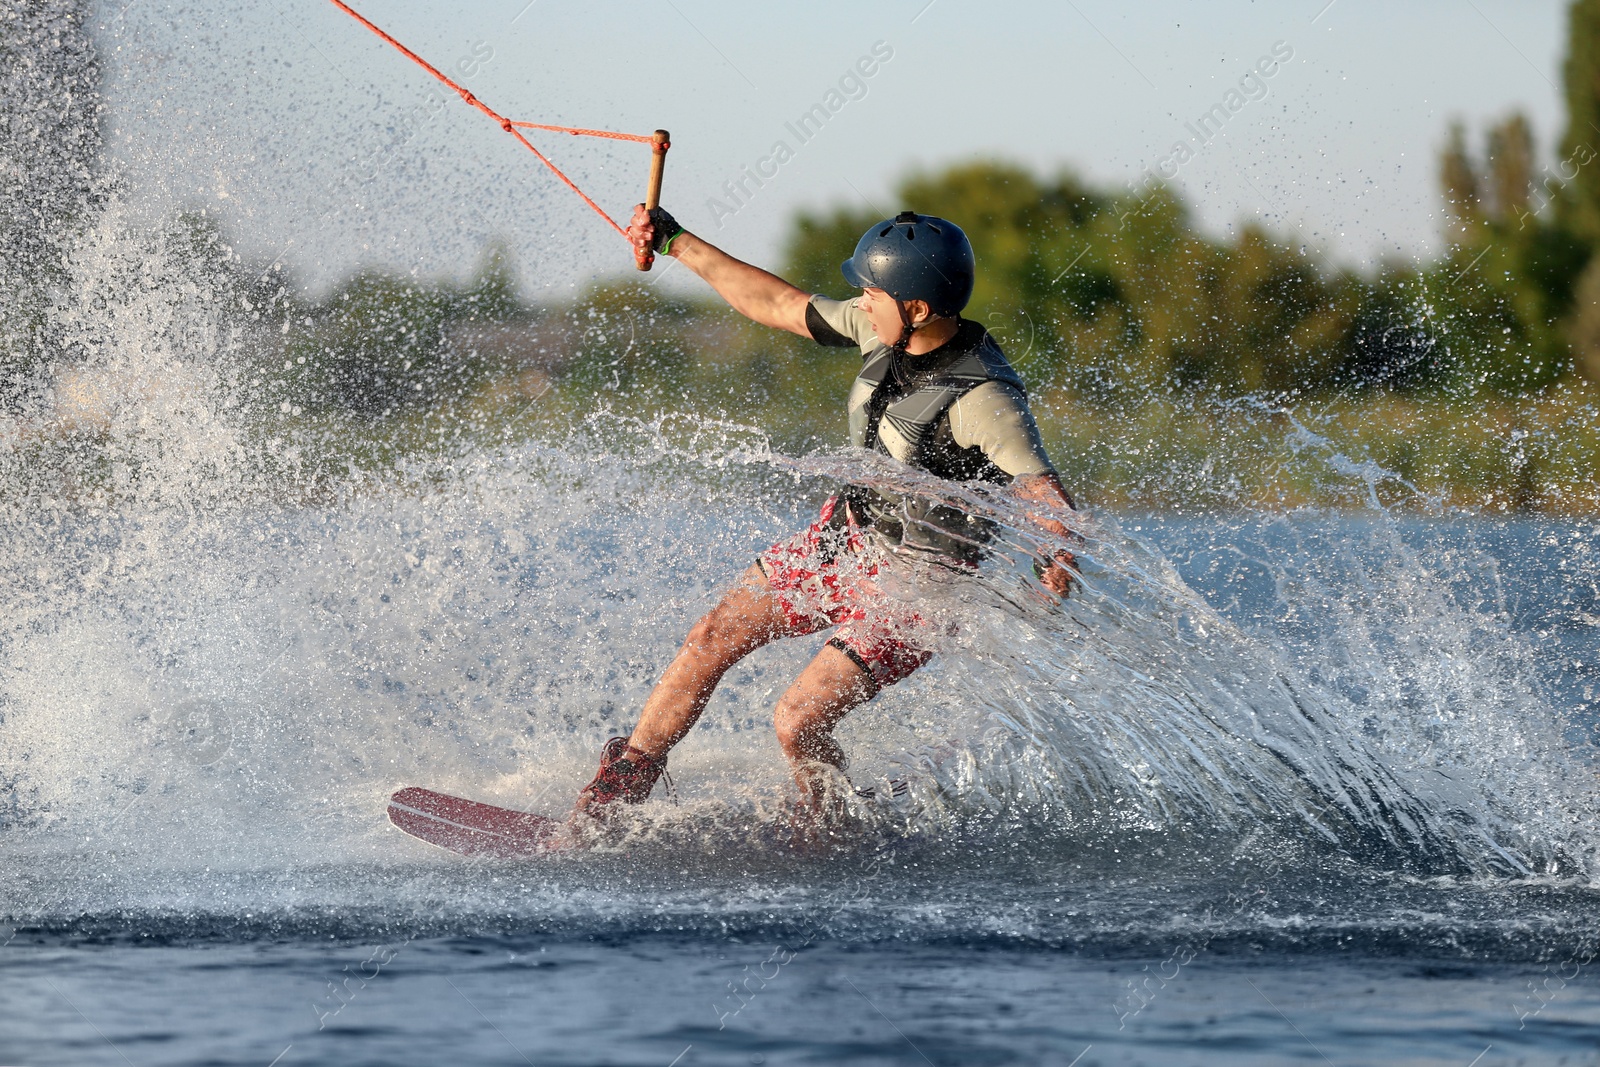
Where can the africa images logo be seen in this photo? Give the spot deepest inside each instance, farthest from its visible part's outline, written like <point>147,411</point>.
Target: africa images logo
<point>1251,88</point>
<point>852,85</point>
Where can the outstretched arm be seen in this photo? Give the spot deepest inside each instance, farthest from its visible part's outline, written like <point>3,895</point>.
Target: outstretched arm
<point>751,291</point>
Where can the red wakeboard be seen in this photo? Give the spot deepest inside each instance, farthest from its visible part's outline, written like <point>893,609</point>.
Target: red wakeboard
<point>472,828</point>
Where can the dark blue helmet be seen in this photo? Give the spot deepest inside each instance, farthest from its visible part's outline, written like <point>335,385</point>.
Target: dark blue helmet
<point>915,257</point>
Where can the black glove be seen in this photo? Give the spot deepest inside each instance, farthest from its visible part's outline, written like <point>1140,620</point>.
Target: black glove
<point>666,227</point>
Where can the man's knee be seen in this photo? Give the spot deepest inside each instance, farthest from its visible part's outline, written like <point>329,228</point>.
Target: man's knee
<point>805,733</point>
<point>724,631</point>
<point>792,726</point>
<point>804,723</point>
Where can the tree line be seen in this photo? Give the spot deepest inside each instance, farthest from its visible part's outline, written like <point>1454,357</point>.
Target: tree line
<point>1115,296</point>
<point>1113,303</point>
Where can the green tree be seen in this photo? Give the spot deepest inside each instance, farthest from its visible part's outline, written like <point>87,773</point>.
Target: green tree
<point>1510,170</point>
<point>626,338</point>
<point>1580,204</point>
<point>377,344</point>
<point>1498,303</point>
<point>492,294</point>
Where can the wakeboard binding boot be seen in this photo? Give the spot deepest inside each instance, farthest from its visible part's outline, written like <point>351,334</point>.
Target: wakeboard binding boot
<point>625,774</point>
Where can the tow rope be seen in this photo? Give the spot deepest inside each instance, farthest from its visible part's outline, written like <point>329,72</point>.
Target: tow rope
<point>659,141</point>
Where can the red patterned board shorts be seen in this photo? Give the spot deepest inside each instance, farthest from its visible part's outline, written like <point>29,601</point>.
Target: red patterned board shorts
<point>826,575</point>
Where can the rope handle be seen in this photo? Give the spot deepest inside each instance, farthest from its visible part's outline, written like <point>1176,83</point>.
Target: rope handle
<point>659,143</point>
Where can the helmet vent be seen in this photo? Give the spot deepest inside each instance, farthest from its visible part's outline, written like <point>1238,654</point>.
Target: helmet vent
<point>911,233</point>
<point>886,231</point>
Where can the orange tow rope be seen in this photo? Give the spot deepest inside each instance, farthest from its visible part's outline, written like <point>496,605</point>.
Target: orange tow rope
<point>659,144</point>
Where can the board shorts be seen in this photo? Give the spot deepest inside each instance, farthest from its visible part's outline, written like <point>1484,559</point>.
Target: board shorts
<point>829,575</point>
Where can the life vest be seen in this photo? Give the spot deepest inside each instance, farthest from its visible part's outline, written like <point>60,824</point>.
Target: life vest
<point>899,406</point>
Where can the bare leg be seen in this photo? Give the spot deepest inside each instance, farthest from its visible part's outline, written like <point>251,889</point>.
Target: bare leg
<point>826,691</point>
<point>748,617</point>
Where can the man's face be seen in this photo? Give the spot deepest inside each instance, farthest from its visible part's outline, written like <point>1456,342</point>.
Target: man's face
<point>885,316</point>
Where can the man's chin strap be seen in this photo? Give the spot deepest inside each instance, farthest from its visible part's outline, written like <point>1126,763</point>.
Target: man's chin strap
<point>906,329</point>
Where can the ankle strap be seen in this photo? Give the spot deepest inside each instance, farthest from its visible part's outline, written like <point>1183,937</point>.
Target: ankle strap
<point>654,761</point>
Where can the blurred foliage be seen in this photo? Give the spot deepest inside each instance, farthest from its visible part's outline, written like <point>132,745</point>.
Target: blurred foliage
<point>1120,293</point>
<point>1168,366</point>
<point>1500,301</point>
<point>1123,296</point>
<point>1573,184</point>
<point>381,343</point>
<point>1580,208</point>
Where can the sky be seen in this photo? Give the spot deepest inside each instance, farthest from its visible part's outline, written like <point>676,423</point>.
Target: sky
<point>320,147</point>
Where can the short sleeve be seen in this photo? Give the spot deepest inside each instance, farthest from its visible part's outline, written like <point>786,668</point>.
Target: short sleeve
<point>994,417</point>
<point>839,324</point>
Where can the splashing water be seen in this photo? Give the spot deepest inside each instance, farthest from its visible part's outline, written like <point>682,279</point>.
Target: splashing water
<point>201,649</point>
<point>187,655</point>
<point>1253,745</point>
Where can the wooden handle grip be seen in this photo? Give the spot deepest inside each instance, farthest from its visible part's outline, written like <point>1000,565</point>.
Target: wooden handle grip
<point>659,143</point>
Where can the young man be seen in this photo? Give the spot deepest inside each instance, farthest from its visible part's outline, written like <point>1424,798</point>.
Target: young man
<point>934,392</point>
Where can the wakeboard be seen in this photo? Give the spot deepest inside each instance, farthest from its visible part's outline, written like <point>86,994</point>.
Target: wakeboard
<point>472,828</point>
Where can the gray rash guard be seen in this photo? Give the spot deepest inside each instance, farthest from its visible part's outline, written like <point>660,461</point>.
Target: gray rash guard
<point>992,417</point>
<point>959,412</point>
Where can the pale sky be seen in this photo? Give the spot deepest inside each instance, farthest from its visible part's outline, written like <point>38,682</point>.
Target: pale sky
<point>287,117</point>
